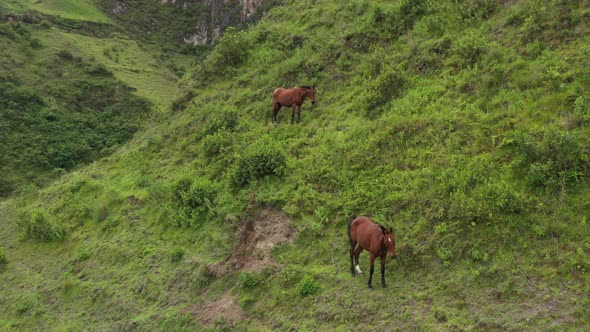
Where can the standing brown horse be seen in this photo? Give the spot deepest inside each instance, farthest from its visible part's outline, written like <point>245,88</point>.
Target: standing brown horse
<point>293,97</point>
<point>374,238</point>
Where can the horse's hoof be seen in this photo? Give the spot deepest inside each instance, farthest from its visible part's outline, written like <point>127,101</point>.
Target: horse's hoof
<point>384,286</point>
<point>370,287</point>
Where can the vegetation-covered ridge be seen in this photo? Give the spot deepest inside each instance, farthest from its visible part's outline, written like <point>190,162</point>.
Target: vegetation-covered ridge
<point>461,124</point>
<point>57,109</point>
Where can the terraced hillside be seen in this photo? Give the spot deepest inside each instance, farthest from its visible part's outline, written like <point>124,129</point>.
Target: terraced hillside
<point>461,124</point>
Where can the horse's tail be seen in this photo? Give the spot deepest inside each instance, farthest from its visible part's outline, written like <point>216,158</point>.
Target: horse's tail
<point>348,232</point>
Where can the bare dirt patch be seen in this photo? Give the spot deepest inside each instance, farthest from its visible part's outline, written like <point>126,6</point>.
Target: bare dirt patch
<point>256,238</point>
<point>226,307</point>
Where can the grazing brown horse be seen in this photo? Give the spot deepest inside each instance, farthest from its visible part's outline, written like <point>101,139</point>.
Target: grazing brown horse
<point>293,97</point>
<point>374,238</point>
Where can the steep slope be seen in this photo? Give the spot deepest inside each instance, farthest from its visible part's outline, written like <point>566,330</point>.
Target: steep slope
<point>464,125</point>
<point>69,98</point>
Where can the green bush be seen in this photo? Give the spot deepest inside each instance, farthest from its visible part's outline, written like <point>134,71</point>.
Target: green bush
<point>65,55</point>
<point>231,51</point>
<point>445,255</point>
<point>225,118</point>
<point>193,200</point>
<point>262,159</point>
<point>471,47</point>
<point>39,225</point>
<point>378,91</point>
<point>83,254</point>
<point>307,286</point>
<point>218,143</point>
<point>550,159</point>
<point>249,279</point>
<point>176,255</point>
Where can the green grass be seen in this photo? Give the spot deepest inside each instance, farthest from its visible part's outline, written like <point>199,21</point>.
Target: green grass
<point>128,62</point>
<point>464,125</point>
<point>79,10</point>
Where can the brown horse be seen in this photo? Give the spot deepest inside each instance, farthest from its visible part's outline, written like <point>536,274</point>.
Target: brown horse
<point>374,238</point>
<point>293,97</point>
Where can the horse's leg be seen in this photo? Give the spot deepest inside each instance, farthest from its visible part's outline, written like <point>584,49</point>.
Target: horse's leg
<point>372,270</point>
<point>383,271</point>
<point>293,112</point>
<point>275,110</point>
<point>299,113</point>
<point>357,253</point>
<point>352,247</point>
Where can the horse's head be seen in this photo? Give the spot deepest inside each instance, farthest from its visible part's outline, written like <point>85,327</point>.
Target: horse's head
<point>311,92</point>
<point>389,242</point>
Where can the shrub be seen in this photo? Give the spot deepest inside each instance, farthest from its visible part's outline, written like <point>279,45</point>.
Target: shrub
<point>445,255</point>
<point>83,254</point>
<point>263,159</point>
<point>177,255</point>
<point>193,200</point>
<point>217,143</point>
<point>65,55</point>
<point>471,48</point>
<point>249,279</point>
<point>307,286</point>
<point>231,51</point>
<point>36,43</point>
<point>38,225</point>
<point>380,90</point>
<point>226,118</point>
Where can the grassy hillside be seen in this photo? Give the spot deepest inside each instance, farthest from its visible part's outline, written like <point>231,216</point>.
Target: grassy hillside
<point>463,125</point>
<point>58,109</point>
<point>80,10</point>
<point>67,98</point>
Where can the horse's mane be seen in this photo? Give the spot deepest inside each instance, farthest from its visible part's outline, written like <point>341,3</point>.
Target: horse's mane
<point>383,229</point>
<point>305,87</point>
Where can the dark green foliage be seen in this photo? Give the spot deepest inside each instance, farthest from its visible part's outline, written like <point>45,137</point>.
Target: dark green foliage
<point>263,158</point>
<point>378,91</point>
<point>177,255</point>
<point>85,119</point>
<point>83,254</point>
<point>65,55</point>
<point>194,201</point>
<point>307,286</point>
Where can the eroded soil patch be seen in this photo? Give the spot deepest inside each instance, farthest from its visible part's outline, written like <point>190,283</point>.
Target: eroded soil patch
<point>208,312</point>
<point>256,238</point>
